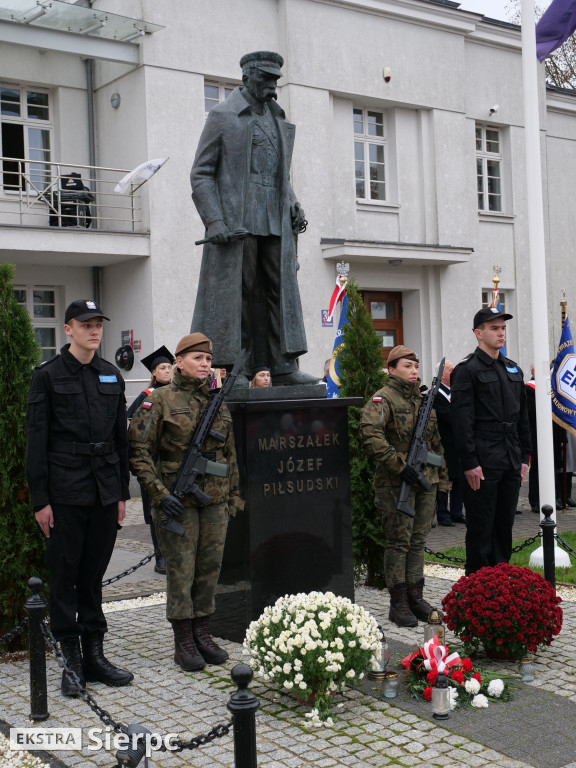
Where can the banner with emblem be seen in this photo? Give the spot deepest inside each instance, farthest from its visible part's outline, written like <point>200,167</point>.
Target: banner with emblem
<point>564,382</point>
<point>333,383</point>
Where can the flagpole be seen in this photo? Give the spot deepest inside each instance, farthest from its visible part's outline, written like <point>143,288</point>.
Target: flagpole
<point>536,242</point>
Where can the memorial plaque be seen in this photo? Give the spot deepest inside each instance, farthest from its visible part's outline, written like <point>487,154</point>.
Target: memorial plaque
<point>296,532</point>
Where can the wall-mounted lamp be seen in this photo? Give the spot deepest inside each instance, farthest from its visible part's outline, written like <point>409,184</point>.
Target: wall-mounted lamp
<point>395,262</point>
<point>387,74</point>
<point>115,100</point>
<point>494,109</point>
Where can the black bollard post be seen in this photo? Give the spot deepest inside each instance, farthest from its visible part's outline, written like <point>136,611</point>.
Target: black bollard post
<point>35,607</point>
<point>243,705</point>
<point>548,527</point>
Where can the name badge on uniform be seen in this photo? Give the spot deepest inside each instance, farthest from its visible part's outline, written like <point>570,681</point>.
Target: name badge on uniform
<point>512,370</point>
<point>108,379</point>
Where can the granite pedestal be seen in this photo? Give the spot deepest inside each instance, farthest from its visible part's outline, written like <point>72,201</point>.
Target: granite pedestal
<point>295,534</point>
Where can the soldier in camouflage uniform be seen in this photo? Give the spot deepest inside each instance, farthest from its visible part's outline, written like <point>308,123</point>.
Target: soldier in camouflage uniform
<point>387,423</point>
<point>159,435</point>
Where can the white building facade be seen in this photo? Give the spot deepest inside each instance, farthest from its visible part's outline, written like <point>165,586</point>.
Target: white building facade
<point>408,161</point>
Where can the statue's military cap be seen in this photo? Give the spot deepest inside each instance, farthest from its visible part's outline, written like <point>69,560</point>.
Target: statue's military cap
<point>267,61</point>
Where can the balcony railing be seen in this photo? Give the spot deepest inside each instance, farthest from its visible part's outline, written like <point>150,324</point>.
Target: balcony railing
<point>44,194</point>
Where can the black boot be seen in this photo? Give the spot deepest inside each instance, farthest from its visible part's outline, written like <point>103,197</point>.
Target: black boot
<point>71,651</point>
<point>211,652</point>
<point>97,668</point>
<point>400,613</point>
<point>423,610</point>
<point>186,655</point>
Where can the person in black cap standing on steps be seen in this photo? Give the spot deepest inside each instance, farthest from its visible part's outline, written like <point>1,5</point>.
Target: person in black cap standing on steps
<point>77,472</point>
<point>490,423</point>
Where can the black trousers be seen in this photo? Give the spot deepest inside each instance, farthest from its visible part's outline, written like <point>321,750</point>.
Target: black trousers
<point>490,513</point>
<point>78,552</point>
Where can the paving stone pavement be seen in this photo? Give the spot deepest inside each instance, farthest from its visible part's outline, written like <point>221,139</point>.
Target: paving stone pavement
<point>535,729</point>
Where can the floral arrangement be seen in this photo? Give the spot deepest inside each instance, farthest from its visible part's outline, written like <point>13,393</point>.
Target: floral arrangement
<point>468,685</point>
<point>505,608</point>
<point>312,645</point>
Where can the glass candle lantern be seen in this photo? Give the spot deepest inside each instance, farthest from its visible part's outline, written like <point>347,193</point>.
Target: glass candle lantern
<point>431,630</point>
<point>441,698</point>
<point>527,670</point>
<point>390,685</point>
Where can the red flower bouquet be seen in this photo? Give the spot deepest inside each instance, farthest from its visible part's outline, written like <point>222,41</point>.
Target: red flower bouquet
<point>504,608</point>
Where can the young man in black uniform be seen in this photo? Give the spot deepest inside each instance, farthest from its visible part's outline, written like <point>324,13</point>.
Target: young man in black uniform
<point>77,472</point>
<point>490,423</point>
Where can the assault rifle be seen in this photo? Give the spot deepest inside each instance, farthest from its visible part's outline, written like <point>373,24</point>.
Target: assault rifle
<point>195,465</point>
<point>418,455</point>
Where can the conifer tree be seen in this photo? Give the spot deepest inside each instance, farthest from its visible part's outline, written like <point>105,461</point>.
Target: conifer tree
<point>22,542</point>
<point>361,374</point>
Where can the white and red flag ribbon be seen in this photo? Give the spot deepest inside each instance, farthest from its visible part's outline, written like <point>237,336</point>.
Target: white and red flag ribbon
<point>436,658</point>
<point>337,294</point>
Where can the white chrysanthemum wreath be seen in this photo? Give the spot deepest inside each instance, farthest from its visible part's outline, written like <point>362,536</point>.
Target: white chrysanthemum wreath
<point>312,645</point>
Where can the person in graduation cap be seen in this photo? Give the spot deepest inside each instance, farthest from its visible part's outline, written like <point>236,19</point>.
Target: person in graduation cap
<point>159,363</point>
<point>260,377</point>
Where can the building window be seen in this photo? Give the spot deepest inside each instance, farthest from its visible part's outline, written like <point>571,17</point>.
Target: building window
<point>489,168</point>
<point>386,311</point>
<point>40,302</point>
<point>214,93</point>
<point>487,299</point>
<point>370,154</point>
<point>25,136</point>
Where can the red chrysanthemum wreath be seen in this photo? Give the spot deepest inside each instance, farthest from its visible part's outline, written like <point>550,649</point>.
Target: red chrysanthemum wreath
<point>503,608</point>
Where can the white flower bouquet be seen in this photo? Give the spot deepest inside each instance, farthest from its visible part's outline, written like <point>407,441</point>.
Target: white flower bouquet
<point>312,645</point>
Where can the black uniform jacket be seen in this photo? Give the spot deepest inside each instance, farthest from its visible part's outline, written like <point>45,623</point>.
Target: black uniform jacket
<point>442,407</point>
<point>488,412</point>
<point>70,402</point>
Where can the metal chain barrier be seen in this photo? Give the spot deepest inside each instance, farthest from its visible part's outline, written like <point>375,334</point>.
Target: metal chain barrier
<point>177,745</point>
<point>129,571</point>
<point>454,559</point>
<point>15,632</point>
<point>565,547</point>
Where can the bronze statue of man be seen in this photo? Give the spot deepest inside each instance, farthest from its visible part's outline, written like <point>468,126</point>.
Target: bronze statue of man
<point>248,292</point>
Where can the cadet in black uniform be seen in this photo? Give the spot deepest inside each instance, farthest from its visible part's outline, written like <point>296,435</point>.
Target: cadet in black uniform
<point>77,472</point>
<point>490,423</point>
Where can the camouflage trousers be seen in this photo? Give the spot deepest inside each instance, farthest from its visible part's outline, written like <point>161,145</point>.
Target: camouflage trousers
<point>193,561</point>
<point>405,536</point>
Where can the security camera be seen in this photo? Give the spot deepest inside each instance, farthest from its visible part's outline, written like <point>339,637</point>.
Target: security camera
<point>387,74</point>
<point>495,108</point>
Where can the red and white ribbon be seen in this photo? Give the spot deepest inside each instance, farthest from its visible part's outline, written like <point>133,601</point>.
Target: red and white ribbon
<point>337,294</point>
<point>436,656</point>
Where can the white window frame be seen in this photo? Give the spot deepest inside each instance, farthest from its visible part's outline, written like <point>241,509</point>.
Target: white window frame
<point>363,141</point>
<point>41,178</point>
<point>41,323</point>
<point>486,158</point>
<point>223,91</point>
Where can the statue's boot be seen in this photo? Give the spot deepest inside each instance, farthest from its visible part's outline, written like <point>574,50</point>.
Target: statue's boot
<point>293,377</point>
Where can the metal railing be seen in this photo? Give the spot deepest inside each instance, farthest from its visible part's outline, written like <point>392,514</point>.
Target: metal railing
<point>38,193</point>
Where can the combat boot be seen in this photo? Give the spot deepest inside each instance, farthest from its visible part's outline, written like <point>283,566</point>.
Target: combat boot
<point>71,652</point>
<point>211,652</point>
<point>419,607</point>
<point>97,668</point>
<point>186,654</point>
<point>400,613</point>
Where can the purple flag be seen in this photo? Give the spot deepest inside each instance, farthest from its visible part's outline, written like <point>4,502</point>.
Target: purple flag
<point>555,27</point>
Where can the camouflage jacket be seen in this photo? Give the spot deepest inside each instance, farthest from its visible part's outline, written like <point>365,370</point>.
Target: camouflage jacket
<point>160,432</point>
<point>386,425</point>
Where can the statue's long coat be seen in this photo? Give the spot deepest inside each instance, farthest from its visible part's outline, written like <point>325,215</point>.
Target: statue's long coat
<point>219,177</point>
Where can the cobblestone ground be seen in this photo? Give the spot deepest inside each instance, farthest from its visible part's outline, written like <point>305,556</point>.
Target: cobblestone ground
<point>366,730</point>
